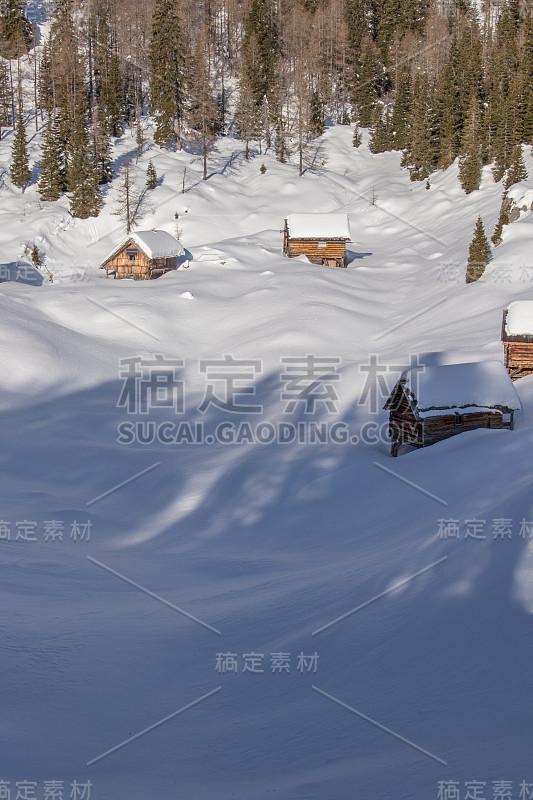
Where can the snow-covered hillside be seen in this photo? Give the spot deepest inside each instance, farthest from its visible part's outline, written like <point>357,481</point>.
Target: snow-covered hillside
<point>264,544</point>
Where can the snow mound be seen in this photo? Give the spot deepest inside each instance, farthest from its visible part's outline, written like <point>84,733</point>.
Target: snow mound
<point>519,320</point>
<point>481,384</point>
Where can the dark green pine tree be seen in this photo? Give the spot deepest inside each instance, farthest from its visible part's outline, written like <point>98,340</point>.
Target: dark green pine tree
<point>517,169</point>
<point>506,131</point>
<point>317,123</point>
<point>167,73</point>
<point>356,140</point>
<point>527,79</point>
<point>52,179</point>
<point>102,149</point>
<point>421,152</point>
<point>108,80</point>
<point>503,220</point>
<point>258,61</point>
<point>20,170</point>
<point>471,158</point>
<point>83,177</point>
<point>369,83</point>
<point>5,98</point>
<point>401,111</point>
<point>151,176</point>
<point>16,31</point>
<point>381,135</point>
<point>356,18</point>
<point>479,253</point>
<point>460,81</point>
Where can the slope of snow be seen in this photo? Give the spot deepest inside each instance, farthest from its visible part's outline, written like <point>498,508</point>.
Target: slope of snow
<point>268,543</point>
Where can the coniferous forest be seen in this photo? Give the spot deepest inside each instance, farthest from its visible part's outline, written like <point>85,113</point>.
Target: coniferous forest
<point>436,80</point>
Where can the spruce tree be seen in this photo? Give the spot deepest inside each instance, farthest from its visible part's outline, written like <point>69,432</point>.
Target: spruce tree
<point>82,173</point>
<point>401,111</point>
<point>381,136</point>
<point>16,31</point>
<point>517,169</point>
<point>356,140</point>
<point>317,122</point>
<point>151,176</point>
<point>369,82</point>
<point>20,170</point>
<point>471,159</point>
<point>421,152</point>
<point>52,179</point>
<point>167,73</point>
<point>503,220</point>
<point>479,254</point>
<point>259,49</point>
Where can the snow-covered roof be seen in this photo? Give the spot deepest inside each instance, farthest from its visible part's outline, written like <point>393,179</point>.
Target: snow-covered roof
<point>154,244</point>
<point>479,385</point>
<point>519,320</point>
<point>318,226</point>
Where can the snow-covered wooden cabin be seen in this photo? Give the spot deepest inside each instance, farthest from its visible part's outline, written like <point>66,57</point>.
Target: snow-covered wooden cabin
<point>517,338</point>
<point>143,255</point>
<point>429,404</point>
<point>320,237</point>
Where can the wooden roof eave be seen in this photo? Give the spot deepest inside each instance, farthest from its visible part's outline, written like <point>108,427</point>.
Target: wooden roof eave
<point>409,396</point>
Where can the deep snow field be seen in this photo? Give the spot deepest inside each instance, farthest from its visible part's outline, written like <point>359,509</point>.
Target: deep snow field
<point>265,544</point>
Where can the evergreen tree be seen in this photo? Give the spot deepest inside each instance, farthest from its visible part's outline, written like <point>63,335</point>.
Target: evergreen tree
<point>381,136</point>
<point>52,179</point>
<point>471,159</point>
<point>421,152</point>
<point>479,254</point>
<point>151,176</point>
<point>503,220</point>
<point>167,73</point>
<point>102,150</point>
<point>401,111</point>
<point>517,169</point>
<point>356,141</point>
<point>259,50</point>
<point>35,256</point>
<point>20,170</point>
<point>82,173</point>
<point>109,83</point>
<point>5,98</point>
<point>317,121</point>
<point>370,82</point>
<point>16,31</point>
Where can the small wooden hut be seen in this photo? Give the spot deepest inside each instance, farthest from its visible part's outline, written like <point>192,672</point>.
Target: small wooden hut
<point>320,237</point>
<point>143,255</point>
<point>517,338</point>
<point>429,404</point>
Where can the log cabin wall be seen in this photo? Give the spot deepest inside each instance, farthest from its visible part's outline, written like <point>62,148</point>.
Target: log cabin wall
<point>435,429</point>
<point>138,266</point>
<point>125,265</point>
<point>518,358</point>
<point>518,352</point>
<point>318,251</point>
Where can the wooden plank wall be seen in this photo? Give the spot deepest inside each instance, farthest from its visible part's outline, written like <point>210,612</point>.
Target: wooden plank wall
<point>518,358</point>
<point>332,250</point>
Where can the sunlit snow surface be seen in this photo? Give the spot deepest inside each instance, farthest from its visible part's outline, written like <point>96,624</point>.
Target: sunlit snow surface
<point>265,543</point>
